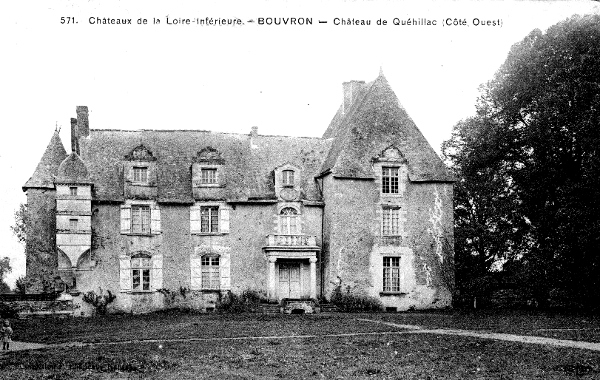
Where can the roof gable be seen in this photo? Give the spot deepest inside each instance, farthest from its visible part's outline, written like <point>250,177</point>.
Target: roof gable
<point>73,170</point>
<point>43,176</point>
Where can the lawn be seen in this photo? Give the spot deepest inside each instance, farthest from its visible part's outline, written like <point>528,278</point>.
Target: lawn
<point>382,352</point>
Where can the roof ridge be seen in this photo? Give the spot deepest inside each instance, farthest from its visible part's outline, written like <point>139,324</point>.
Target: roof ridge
<point>197,130</point>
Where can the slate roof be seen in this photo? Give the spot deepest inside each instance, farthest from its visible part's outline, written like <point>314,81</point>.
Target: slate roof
<point>375,121</point>
<point>43,176</point>
<point>73,170</point>
<point>248,169</point>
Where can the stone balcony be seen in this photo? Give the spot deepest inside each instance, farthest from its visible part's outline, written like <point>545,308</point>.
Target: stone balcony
<point>277,240</point>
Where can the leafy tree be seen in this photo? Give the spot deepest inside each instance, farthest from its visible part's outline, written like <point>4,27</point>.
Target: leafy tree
<point>19,228</point>
<point>5,268</point>
<point>529,165</point>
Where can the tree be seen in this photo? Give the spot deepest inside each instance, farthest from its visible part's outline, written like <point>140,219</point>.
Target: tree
<point>5,268</point>
<point>19,229</point>
<point>529,165</point>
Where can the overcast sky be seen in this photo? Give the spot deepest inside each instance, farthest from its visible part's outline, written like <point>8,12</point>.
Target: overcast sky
<point>287,80</point>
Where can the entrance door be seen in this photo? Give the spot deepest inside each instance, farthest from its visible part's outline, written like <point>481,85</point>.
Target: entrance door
<point>289,280</point>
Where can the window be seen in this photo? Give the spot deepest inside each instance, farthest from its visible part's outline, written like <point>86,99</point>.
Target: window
<point>288,220</point>
<point>391,274</point>
<point>211,278</point>
<point>209,219</point>
<point>140,174</point>
<point>73,224</point>
<point>389,180</point>
<point>287,177</point>
<point>73,190</point>
<point>208,176</point>
<point>391,222</point>
<point>140,273</point>
<point>140,219</point>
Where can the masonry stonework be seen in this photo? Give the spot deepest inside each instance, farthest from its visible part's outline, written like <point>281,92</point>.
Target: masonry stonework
<point>184,218</point>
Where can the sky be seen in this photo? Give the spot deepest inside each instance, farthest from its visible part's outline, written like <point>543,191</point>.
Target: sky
<point>284,79</point>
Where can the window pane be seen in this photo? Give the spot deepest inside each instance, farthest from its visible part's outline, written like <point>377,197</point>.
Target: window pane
<point>288,177</point>
<point>73,224</point>
<point>391,274</point>
<point>208,176</point>
<point>391,222</point>
<point>140,219</point>
<point>73,190</point>
<point>209,219</point>
<point>140,174</point>
<point>389,180</point>
<point>136,279</point>
<point>211,278</point>
<point>146,279</point>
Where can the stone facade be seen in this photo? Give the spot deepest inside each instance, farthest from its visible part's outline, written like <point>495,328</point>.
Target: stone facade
<point>183,218</point>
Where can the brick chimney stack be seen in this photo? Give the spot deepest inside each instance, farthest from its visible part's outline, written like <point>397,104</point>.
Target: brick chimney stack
<point>74,136</point>
<point>351,91</point>
<point>83,124</point>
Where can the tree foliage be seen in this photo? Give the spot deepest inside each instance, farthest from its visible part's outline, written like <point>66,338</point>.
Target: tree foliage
<point>19,228</point>
<point>529,167</point>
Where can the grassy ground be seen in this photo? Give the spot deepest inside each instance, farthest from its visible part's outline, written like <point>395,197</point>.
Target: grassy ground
<point>388,354</point>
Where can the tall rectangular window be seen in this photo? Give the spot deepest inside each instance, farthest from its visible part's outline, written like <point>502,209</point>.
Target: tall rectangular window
<point>287,178</point>
<point>140,174</point>
<point>208,176</point>
<point>389,180</point>
<point>140,273</point>
<point>211,278</point>
<point>391,274</point>
<point>140,219</point>
<point>73,190</point>
<point>391,221</point>
<point>73,224</point>
<point>209,219</point>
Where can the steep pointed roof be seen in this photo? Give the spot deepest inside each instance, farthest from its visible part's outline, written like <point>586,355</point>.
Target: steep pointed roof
<point>43,176</point>
<point>375,121</point>
<point>73,170</point>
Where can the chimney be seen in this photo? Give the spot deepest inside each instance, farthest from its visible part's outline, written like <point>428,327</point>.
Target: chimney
<point>83,124</point>
<point>74,136</point>
<point>253,136</point>
<point>351,91</point>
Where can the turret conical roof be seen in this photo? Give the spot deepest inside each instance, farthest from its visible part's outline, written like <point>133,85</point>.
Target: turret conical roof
<point>43,176</point>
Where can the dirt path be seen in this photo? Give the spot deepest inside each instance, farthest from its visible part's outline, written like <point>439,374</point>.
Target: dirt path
<point>496,336</point>
<point>404,329</point>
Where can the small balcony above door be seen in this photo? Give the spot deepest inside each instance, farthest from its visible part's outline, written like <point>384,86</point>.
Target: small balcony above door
<point>300,241</point>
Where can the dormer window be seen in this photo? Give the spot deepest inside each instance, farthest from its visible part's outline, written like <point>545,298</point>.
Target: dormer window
<point>208,176</point>
<point>208,171</point>
<point>287,177</point>
<point>140,174</point>
<point>73,190</point>
<point>389,180</point>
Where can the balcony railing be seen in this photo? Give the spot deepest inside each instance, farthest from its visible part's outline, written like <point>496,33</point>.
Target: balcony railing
<point>390,240</point>
<point>291,241</point>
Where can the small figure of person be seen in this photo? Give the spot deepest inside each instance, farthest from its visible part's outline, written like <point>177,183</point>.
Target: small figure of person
<point>6,332</point>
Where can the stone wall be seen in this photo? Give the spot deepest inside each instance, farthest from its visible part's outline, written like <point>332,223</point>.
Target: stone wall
<point>40,249</point>
<point>249,226</point>
<point>354,251</point>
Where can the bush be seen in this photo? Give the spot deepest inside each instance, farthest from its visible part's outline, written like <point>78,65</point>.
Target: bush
<point>349,302</point>
<point>7,311</point>
<point>99,301</point>
<point>247,301</point>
